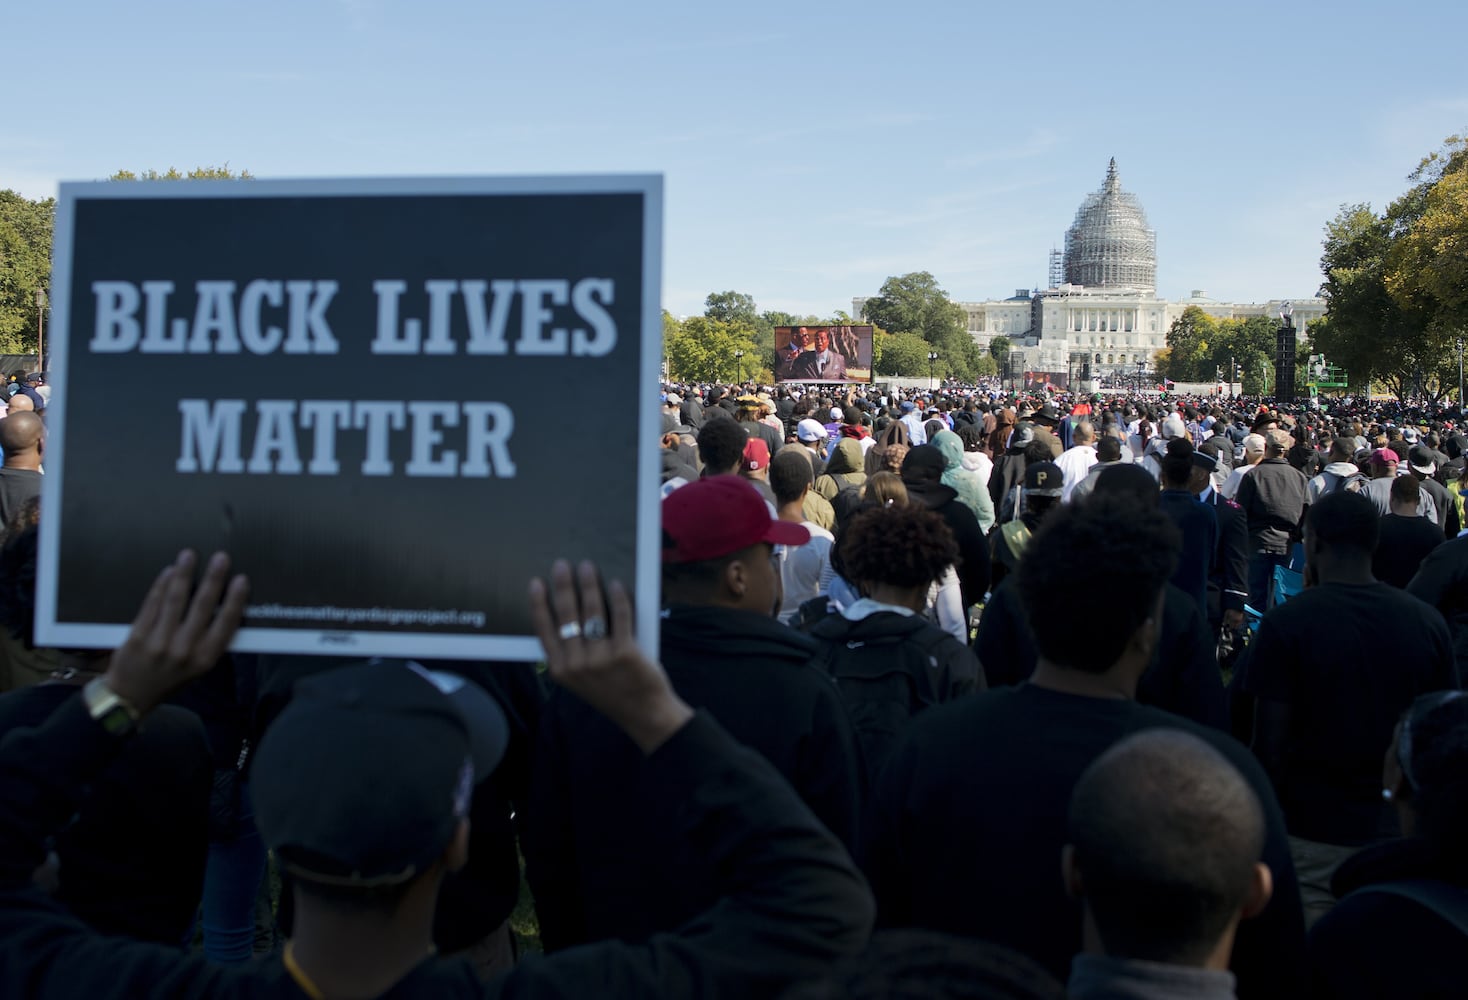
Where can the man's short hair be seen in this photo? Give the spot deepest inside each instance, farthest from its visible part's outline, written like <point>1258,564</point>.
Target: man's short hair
<point>1139,547</point>
<point>790,474</point>
<point>721,444</point>
<point>1108,449</point>
<point>1406,489</point>
<point>1166,834</point>
<point>1344,521</point>
<point>1039,451</point>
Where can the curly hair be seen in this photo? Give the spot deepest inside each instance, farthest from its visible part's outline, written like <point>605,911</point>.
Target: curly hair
<point>1137,546</point>
<point>905,546</point>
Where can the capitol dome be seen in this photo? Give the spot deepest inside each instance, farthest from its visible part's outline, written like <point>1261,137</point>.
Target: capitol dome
<point>1110,244</point>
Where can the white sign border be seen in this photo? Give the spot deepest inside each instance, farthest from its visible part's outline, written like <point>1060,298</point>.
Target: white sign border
<point>428,645</point>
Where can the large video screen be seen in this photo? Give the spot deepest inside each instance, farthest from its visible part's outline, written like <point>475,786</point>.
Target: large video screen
<point>823,354</point>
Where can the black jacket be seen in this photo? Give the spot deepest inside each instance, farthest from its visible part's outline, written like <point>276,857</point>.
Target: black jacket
<point>1273,498</point>
<point>973,549</point>
<point>132,856</point>
<point>888,668</point>
<point>1199,527</point>
<point>1443,582</point>
<point>597,866</point>
<point>1380,944</point>
<point>1228,584</point>
<point>968,821</point>
<point>1008,472</point>
<point>792,903</point>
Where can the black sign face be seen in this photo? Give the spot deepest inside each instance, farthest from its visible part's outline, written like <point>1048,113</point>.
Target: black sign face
<point>392,403</point>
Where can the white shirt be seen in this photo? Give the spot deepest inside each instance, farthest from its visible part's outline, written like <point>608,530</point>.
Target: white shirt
<point>1075,463</point>
<point>1235,480</point>
<point>802,568</point>
<point>915,432</point>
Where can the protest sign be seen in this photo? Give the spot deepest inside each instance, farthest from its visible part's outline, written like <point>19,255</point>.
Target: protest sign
<point>393,402</point>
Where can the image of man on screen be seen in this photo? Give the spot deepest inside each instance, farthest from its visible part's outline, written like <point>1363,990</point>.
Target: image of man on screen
<point>821,363</point>
<point>788,358</point>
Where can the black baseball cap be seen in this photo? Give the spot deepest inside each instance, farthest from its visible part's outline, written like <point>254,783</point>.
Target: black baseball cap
<point>1044,479</point>
<point>363,778</point>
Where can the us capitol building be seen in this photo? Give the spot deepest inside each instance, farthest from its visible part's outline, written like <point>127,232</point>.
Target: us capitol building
<point>1102,301</point>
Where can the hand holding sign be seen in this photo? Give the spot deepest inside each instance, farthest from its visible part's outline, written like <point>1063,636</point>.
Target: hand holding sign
<point>610,672</point>
<point>174,639</point>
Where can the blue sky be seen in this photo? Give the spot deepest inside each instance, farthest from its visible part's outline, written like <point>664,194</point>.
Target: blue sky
<point>810,150</point>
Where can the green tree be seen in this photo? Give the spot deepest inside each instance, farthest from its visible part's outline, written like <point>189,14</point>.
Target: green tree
<point>1189,343</point>
<point>739,311</point>
<point>901,354</point>
<point>731,307</point>
<point>914,303</point>
<point>1427,264</point>
<point>25,268</point>
<point>700,349</point>
<point>220,173</point>
<point>999,348</point>
<point>1368,331</point>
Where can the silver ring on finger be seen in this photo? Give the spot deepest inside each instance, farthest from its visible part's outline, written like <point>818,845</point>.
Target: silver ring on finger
<point>571,630</point>
<point>595,628</point>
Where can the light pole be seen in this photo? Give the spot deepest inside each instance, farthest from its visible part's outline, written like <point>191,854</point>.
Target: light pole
<point>932,357</point>
<point>41,332</point>
<point>1460,373</point>
<point>1233,370</point>
<point>739,360</point>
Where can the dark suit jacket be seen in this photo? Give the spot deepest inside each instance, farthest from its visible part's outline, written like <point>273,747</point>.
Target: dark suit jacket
<point>807,367</point>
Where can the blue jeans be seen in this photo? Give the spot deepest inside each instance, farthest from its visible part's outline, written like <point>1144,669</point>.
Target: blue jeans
<point>1261,577</point>
<point>231,882</point>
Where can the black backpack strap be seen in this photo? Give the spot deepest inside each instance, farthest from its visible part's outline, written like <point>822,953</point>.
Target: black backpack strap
<point>1449,902</point>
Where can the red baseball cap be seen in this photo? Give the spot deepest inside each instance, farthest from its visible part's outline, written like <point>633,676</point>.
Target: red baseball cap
<point>756,454</point>
<point>718,516</point>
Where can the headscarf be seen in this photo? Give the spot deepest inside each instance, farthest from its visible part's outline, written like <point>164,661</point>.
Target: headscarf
<point>965,483</point>
<point>894,435</point>
<point>1003,420</point>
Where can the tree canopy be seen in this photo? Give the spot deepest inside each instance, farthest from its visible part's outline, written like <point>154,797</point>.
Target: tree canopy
<point>220,173</point>
<point>916,304</point>
<point>1200,348</point>
<point>25,252</point>
<point>1396,282</point>
<point>25,268</point>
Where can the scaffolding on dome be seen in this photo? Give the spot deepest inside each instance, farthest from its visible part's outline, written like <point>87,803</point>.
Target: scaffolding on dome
<point>1110,244</point>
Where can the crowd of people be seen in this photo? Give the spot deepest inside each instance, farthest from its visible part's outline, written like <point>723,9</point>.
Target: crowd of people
<point>960,694</point>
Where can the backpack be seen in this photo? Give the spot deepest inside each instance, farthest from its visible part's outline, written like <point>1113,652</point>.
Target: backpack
<point>1344,484</point>
<point>1448,902</point>
<point>846,502</point>
<point>884,680</point>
